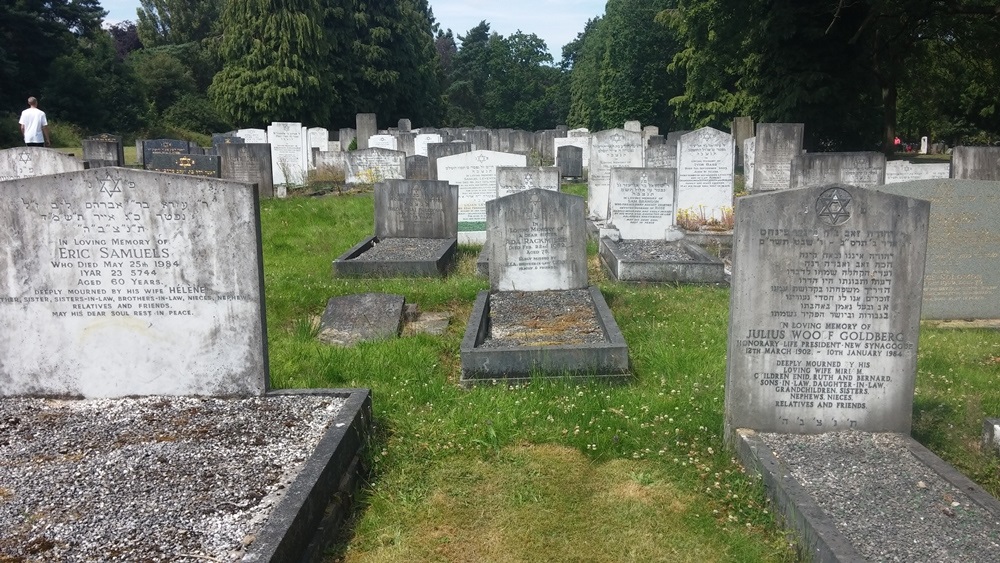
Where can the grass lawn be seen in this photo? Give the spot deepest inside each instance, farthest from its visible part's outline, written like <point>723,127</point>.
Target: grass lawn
<point>559,471</point>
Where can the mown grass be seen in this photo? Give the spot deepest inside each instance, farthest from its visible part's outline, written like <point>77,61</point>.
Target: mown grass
<point>552,470</point>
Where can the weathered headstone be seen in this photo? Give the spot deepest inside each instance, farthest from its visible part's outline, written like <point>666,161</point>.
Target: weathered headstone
<point>975,163</point>
<point>367,125</point>
<point>25,162</point>
<point>417,168</point>
<point>906,171</point>
<point>861,169</point>
<point>186,164</point>
<point>383,142</point>
<point>416,209</point>
<point>366,166</point>
<point>441,150</point>
<point>705,172</point>
<point>404,125</point>
<point>742,130</point>
<point>962,277</point>
<point>614,148</point>
<point>132,276</point>
<point>164,146</point>
<point>513,179</point>
<point>347,136</point>
<point>661,155</point>
<point>319,139</point>
<point>254,136</point>
<point>642,202</point>
<point>422,140</point>
<point>776,145</point>
<point>825,310</point>
<point>475,174</point>
<point>521,142</point>
<point>569,161</point>
<point>749,156</point>
<point>249,163</point>
<point>633,125</point>
<point>350,319</point>
<point>287,163</point>
<point>480,138</point>
<point>104,147</point>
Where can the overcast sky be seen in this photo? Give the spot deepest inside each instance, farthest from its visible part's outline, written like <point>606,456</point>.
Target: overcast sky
<point>556,21</point>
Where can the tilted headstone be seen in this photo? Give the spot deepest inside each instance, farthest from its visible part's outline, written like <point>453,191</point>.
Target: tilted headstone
<point>705,172</point>
<point>186,164</point>
<point>825,310</point>
<point>287,163</point>
<point>351,319</point>
<point>104,147</point>
<point>749,156</point>
<point>367,125</point>
<point>642,202</point>
<point>742,130</point>
<point>513,179</point>
<point>962,277</point>
<point>975,163</point>
<point>416,209</point>
<point>475,174</point>
<point>253,136</point>
<point>614,148</point>
<point>862,169</point>
<point>366,166</point>
<point>417,168</point>
<point>164,146</point>
<point>569,161</point>
<point>538,241</point>
<point>906,171</point>
<point>146,284</point>
<point>250,163</point>
<point>441,150</point>
<point>776,145</point>
<point>26,162</point>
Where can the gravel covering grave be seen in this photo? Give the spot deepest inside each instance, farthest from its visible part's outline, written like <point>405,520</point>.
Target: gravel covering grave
<point>542,318</point>
<point>414,249</point>
<point>652,250</point>
<point>885,501</point>
<point>148,479</point>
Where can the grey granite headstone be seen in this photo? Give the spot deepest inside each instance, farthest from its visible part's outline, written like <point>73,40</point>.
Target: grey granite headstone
<point>250,163</point>
<point>962,278</point>
<point>26,162</point>
<point>416,209</point>
<point>776,145</point>
<point>705,172</point>
<point>350,319</point>
<point>580,141</point>
<point>569,160</point>
<point>538,241</point>
<point>906,171</point>
<point>104,147</point>
<point>825,310</point>
<point>145,283</point>
<point>367,125</point>
<point>404,125</point>
<point>513,179</point>
<point>346,136</point>
<point>441,150</point>
<point>975,163</point>
<point>862,169</point>
<point>614,148</point>
<point>164,146</point>
<point>642,202</point>
<point>521,142</point>
<point>480,139</point>
<point>417,168</point>
<point>187,164</point>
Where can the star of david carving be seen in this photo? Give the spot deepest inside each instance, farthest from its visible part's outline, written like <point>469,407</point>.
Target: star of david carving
<point>482,158</point>
<point>832,206</point>
<point>529,181</point>
<point>617,137</point>
<point>24,156</point>
<point>110,186</point>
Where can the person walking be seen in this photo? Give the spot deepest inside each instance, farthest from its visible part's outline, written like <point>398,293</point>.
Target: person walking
<point>34,126</point>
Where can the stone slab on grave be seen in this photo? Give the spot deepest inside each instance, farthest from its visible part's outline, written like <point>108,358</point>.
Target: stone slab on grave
<point>350,319</point>
<point>475,174</point>
<point>569,161</point>
<point>27,162</point>
<point>250,163</point>
<point>905,171</point>
<point>962,276</point>
<point>540,317</point>
<point>861,169</point>
<point>705,172</point>
<point>775,146</point>
<point>614,148</point>
<point>185,164</point>
<point>659,261</point>
<point>104,147</point>
<point>975,163</point>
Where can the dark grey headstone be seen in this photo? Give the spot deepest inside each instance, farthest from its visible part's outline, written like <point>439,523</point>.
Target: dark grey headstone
<point>662,155</point>
<point>187,164</point>
<point>416,209</point>
<point>862,169</point>
<point>417,168</point>
<point>345,136</point>
<point>164,146</point>
<point>975,163</point>
<point>367,125</point>
<point>570,161</point>
<point>825,310</point>
<point>250,163</point>
<point>776,145</point>
<point>350,319</point>
<point>521,142</point>
<point>404,125</point>
<point>441,150</point>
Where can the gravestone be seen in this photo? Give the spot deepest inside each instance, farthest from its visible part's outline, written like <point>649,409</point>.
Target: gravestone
<point>614,148</point>
<point>661,155</point>
<point>287,163</point>
<point>962,277</point>
<point>319,139</point>
<point>480,138</point>
<point>521,142</point>
<point>404,125</point>
<point>383,142</point>
<point>633,125</point>
<point>249,163</point>
<point>26,162</point>
<point>742,130</point>
<point>861,169</point>
<point>106,148</point>
<point>164,146</point>
<point>674,136</point>
<point>417,168</point>
<point>642,202</point>
<point>705,172</point>
<point>975,163</point>
<point>441,150</point>
<point>406,142</point>
<point>350,319</point>
<point>346,136</point>
<point>580,141</point>
<point>569,161</point>
<point>749,156</point>
<point>421,141</point>
<point>513,179</point>
<point>905,171</point>
<point>475,174</point>
<point>648,132</point>
<point>253,136</point>
<point>135,279</point>
<point>923,145</point>
<point>776,145</point>
<point>186,164</point>
<point>825,311</point>
<point>367,125</point>
<point>545,145</point>
<point>578,132</point>
<point>366,166</point>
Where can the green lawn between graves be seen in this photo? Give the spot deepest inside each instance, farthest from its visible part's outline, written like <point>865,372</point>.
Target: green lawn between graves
<point>558,471</point>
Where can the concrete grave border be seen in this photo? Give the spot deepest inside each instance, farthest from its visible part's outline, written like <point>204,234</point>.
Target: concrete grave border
<point>702,268</point>
<point>439,266</point>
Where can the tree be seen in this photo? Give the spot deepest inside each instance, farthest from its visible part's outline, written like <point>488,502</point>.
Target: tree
<point>175,22</point>
<point>467,88</point>
<point>584,57</point>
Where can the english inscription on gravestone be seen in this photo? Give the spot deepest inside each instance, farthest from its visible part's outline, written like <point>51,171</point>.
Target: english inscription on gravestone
<point>862,169</point>
<point>825,310</point>
<point>642,202</point>
<point>416,209</point>
<point>614,148</point>
<point>776,145</point>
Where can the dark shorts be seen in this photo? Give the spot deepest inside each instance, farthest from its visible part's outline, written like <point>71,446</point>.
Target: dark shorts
<point>34,144</point>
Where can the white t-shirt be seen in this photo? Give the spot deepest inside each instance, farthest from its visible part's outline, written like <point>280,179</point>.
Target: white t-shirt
<point>33,120</point>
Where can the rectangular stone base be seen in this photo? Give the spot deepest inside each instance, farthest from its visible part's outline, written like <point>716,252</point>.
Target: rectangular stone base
<point>520,363</point>
<point>437,266</point>
<point>702,268</point>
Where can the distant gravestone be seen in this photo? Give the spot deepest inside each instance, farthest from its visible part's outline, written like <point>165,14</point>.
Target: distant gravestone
<point>975,163</point>
<point>579,132</point>
<point>480,138</point>
<point>614,148</point>
<point>825,311</point>
<point>164,146</point>
<point>416,209</point>
<point>513,179</point>
<point>350,319</point>
<point>581,142</point>
<point>633,125</point>
<point>905,171</point>
<point>661,155</point>
<point>254,136</point>
<point>545,145</point>
<point>367,125</point>
<point>749,156</point>
<point>421,141</point>
<point>674,136</point>
<point>404,125</point>
<point>742,130</point>
<point>475,174</point>
<point>249,163</point>
<point>705,172</point>
<point>962,278</point>
<point>346,136</point>
<point>776,145</point>
<point>26,162</point>
<point>287,163</point>
<point>923,145</point>
<point>441,150</point>
<point>861,169</point>
<point>319,139</point>
<point>538,241</point>
<point>648,132</point>
<point>106,148</point>
<point>569,161</point>
<point>186,164</point>
<point>406,142</point>
<point>521,142</point>
<point>417,168</point>
<point>383,142</point>
<point>642,202</point>
<point>366,166</point>
<point>146,284</point>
